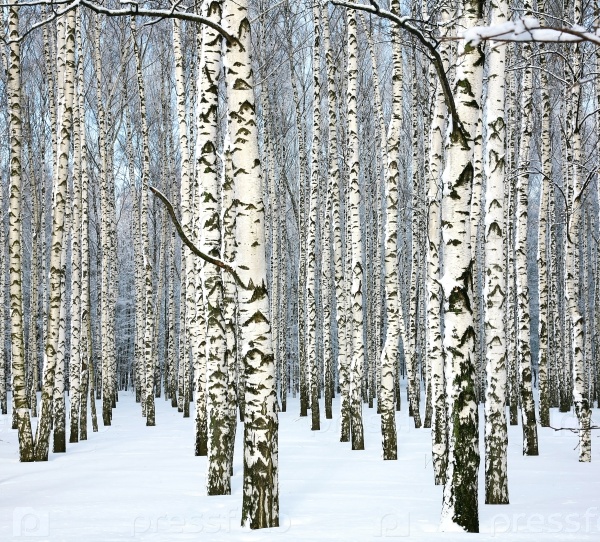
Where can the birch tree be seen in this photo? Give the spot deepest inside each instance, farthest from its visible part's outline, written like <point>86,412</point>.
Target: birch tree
<point>76,235</point>
<point>260,506</point>
<point>460,506</point>
<point>207,173</point>
<point>66,54</point>
<point>389,355</point>
<point>496,439</point>
<point>530,445</point>
<point>357,273</point>
<point>15,253</point>
<point>311,242</point>
<point>149,309</point>
<point>434,352</point>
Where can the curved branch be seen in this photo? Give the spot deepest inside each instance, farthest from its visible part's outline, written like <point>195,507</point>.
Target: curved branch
<point>186,240</point>
<point>172,13</point>
<point>431,46</point>
<point>133,10</point>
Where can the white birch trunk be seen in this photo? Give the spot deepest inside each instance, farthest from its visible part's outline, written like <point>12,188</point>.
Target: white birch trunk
<point>439,445</point>
<point>389,355</point>
<point>340,291</point>
<point>573,261</point>
<point>58,422</point>
<point>207,175</point>
<point>530,444</point>
<point>260,506</point>
<point>460,506</point>
<point>311,241</point>
<point>15,251</point>
<point>302,167</point>
<point>496,438</point>
<point>149,316</point>
<point>357,272</point>
<point>326,270</point>
<point>66,55</point>
<point>76,233</point>
<point>543,252</point>
<point>86,360</point>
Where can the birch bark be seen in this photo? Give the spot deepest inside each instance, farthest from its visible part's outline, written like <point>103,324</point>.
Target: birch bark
<point>149,312</point>
<point>260,506</point>
<point>15,251</point>
<point>530,444</point>
<point>357,272</point>
<point>496,438</point>
<point>460,506</point>
<point>60,192</point>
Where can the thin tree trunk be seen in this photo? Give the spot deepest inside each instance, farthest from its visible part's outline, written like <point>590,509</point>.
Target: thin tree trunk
<point>311,241</point>
<point>76,234</point>
<point>67,55</point>
<point>543,252</point>
<point>357,272</point>
<point>15,254</point>
<point>148,343</point>
<point>496,438</point>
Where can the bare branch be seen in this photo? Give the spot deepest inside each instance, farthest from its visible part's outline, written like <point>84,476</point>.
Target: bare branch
<point>175,12</point>
<point>431,46</point>
<point>187,242</point>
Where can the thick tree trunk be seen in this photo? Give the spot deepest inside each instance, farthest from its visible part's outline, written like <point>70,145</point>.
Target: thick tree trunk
<point>460,504</point>
<point>528,419</point>
<point>439,425</point>
<point>260,506</point>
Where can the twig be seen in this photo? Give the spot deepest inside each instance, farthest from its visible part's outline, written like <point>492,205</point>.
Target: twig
<point>574,429</point>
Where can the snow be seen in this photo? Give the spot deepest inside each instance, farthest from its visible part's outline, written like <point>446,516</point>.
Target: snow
<point>130,482</point>
<point>528,29</point>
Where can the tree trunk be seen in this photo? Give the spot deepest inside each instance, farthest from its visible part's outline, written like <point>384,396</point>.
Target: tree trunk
<point>60,193</point>
<point>260,506</point>
<point>149,312</point>
<point>357,272</point>
<point>15,251</point>
<point>460,506</point>
<point>496,438</point>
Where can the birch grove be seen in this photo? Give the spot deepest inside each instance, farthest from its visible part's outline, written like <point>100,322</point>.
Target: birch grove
<point>260,209</point>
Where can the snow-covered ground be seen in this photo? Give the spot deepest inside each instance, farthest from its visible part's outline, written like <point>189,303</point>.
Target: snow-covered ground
<point>130,482</point>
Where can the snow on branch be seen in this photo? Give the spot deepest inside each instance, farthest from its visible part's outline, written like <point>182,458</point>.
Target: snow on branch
<point>129,7</point>
<point>530,29</point>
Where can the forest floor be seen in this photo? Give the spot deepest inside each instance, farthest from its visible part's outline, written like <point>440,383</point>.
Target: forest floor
<point>129,482</point>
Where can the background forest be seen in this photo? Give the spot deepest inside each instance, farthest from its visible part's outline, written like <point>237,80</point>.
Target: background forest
<point>228,204</point>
